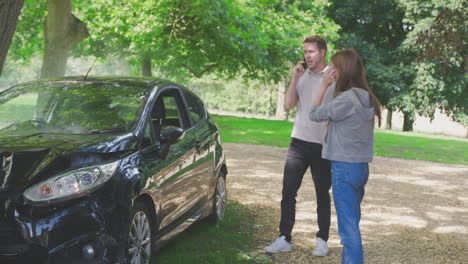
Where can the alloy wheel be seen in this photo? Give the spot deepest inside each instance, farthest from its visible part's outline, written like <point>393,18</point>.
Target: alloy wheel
<point>221,198</point>
<point>139,239</point>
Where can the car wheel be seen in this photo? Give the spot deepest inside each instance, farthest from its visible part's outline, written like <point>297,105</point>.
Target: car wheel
<point>140,235</point>
<point>219,201</point>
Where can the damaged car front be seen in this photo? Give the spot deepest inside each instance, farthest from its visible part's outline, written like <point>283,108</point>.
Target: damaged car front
<point>68,156</point>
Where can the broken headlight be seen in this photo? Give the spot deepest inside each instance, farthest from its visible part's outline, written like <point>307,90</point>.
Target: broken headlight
<point>71,184</point>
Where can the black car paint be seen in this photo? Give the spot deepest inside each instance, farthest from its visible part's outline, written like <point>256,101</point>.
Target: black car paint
<point>58,231</point>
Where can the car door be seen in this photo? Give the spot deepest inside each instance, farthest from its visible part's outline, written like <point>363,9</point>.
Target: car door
<point>204,142</point>
<point>172,176</point>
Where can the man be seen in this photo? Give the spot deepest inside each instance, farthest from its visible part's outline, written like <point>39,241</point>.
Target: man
<point>305,149</point>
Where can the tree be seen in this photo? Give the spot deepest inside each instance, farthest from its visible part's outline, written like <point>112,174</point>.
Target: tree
<point>192,38</point>
<point>28,40</point>
<point>62,29</point>
<point>183,38</point>
<point>9,12</point>
<point>47,29</point>
<point>189,39</point>
<point>442,61</point>
<point>376,30</point>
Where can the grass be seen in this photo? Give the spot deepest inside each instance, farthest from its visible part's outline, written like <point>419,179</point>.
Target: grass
<point>420,147</point>
<point>254,131</point>
<point>386,143</point>
<point>231,241</point>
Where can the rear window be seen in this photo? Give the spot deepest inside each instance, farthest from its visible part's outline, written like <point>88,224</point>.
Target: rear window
<point>196,107</point>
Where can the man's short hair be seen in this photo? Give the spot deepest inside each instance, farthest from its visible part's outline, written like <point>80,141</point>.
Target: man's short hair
<point>321,43</point>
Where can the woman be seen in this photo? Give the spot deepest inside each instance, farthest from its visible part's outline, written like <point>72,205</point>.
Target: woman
<point>348,144</point>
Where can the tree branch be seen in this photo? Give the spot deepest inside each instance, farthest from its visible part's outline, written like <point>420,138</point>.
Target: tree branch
<point>199,74</point>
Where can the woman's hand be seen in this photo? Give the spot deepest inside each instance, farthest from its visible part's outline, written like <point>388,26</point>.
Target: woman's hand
<point>329,77</point>
<point>327,80</point>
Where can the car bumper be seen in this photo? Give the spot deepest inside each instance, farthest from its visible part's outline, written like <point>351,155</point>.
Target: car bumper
<point>87,232</point>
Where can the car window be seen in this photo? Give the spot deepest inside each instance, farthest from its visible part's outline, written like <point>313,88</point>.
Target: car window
<point>172,112</point>
<point>168,112</point>
<point>196,108</point>
<point>75,107</point>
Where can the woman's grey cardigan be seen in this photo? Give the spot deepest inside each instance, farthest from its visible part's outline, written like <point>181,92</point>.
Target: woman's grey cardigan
<point>350,132</point>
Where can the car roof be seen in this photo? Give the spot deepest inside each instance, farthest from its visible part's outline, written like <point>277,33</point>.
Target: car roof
<point>129,80</point>
<point>141,81</point>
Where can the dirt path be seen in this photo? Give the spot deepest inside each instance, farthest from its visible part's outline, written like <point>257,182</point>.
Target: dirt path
<point>414,212</point>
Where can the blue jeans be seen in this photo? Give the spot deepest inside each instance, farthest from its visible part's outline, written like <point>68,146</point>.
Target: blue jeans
<point>348,181</point>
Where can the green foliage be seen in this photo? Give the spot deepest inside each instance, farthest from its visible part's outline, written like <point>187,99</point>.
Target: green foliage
<point>286,24</point>
<point>28,39</point>
<point>377,22</point>
<point>440,40</point>
<point>392,34</point>
<point>191,38</point>
<point>425,89</point>
<point>252,96</point>
<point>384,79</point>
<point>375,29</point>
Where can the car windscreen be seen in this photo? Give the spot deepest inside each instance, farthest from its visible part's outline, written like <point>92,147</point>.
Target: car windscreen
<point>70,107</point>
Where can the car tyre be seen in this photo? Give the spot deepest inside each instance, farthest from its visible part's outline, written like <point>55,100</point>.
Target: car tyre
<point>140,235</point>
<point>219,200</point>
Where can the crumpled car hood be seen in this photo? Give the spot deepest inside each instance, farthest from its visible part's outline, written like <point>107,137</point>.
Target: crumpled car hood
<point>27,159</point>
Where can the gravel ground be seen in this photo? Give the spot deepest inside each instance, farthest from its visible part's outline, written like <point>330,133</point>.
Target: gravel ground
<point>414,212</point>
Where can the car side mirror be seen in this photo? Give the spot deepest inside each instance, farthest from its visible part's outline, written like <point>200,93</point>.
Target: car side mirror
<point>151,150</point>
<point>172,135</point>
<point>156,150</point>
<point>168,137</point>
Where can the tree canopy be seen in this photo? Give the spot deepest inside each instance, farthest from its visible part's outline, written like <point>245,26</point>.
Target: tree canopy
<point>414,55</point>
<point>413,50</point>
<point>439,38</point>
<point>195,37</point>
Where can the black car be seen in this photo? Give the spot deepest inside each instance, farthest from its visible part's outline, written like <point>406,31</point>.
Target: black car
<point>104,169</point>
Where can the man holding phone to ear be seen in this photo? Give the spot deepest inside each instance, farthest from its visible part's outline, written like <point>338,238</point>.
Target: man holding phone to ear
<point>305,148</point>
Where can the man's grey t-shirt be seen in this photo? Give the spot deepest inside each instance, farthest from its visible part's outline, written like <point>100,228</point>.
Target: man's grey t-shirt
<point>307,88</point>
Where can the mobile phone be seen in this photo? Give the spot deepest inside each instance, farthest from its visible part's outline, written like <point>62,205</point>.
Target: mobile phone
<point>304,64</point>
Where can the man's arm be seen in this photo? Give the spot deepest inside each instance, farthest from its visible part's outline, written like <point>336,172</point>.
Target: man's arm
<point>291,97</point>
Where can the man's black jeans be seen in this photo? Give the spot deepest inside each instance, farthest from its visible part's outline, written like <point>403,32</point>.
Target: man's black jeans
<point>302,155</point>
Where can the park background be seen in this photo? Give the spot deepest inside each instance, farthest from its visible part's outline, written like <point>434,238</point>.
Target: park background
<point>238,55</point>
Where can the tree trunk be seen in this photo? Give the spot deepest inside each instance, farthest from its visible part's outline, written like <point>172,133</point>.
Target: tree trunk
<point>9,12</point>
<point>408,119</point>
<point>61,30</point>
<point>280,111</point>
<point>271,98</point>
<point>388,121</point>
<point>146,67</point>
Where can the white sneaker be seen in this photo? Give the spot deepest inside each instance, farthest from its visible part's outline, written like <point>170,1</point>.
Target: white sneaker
<point>321,248</point>
<point>279,245</point>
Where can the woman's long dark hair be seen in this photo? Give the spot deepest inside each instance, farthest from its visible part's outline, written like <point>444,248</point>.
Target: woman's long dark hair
<point>351,74</point>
